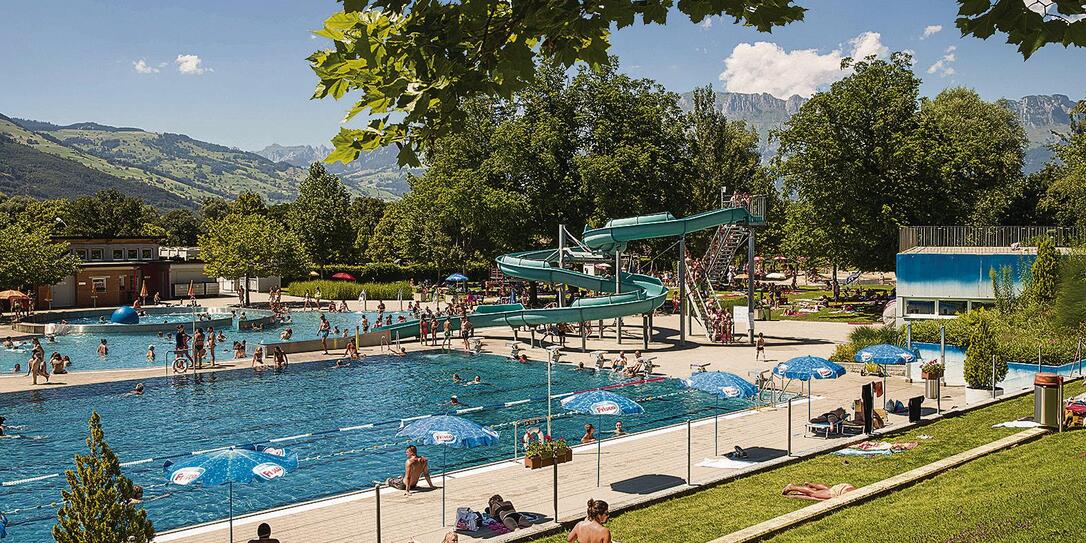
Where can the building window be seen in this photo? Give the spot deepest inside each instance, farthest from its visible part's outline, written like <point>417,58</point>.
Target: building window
<point>981,305</point>
<point>96,254</point>
<point>81,253</point>
<point>121,282</point>
<point>98,285</point>
<point>132,254</point>
<point>147,255</point>
<point>951,308</point>
<point>920,307</point>
<point>118,254</point>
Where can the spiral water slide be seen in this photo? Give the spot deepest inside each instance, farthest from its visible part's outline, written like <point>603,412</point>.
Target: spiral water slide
<point>634,294</point>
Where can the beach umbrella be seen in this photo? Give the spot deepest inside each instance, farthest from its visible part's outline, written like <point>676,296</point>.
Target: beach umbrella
<point>808,368</point>
<point>722,385</point>
<point>448,431</point>
<point>3,526</point>
<point>343,276</point>
<point>600,403</point>
<point>886,354</point>
<point>229,465</point>
<point>192,290</point>
<point>12,295</point>
<point>143,291</point>
<point>456,278</point>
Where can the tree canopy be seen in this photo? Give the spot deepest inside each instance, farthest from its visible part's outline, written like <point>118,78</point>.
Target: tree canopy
<point>320,217</point>
<point>412,66</point>
<point>242,246</point>
<point>29,257</point>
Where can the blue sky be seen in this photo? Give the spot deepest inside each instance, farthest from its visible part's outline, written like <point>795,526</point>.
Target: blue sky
<point>234,72</point>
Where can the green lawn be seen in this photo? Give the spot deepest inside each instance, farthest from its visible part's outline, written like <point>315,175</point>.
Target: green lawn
<point>732,506</point>
<point>1029,493</point>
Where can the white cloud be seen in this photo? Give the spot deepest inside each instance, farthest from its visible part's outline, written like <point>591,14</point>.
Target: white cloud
<point>767,67</point>
<point>706,22</point>
<point>944,66</point>
<point>190,65</point>
<point>930,31</point>
<point>142,67</point>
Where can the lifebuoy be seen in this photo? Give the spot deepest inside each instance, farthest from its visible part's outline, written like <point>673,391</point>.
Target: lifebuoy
<point>179,366</point>
<point>532,431</point>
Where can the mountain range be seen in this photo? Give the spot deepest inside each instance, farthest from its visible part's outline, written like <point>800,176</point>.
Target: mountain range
<point>1041,116</point>
<point>45,160</point>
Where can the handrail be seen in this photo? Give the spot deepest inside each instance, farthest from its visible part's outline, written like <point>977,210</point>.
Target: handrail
<point>984,236</point>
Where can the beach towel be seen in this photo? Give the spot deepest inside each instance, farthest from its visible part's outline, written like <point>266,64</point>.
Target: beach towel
<point>725,463</point>
<point>876,448</point>
<point>1017,424</point>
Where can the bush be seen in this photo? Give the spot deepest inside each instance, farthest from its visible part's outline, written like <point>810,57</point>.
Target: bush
<point>384,272</point>
<point>865,336</point>
<point>978,357</point>
<point>347,290</point>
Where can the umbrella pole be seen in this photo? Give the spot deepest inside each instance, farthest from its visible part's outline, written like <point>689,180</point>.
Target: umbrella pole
<point>599,448</point>
<point>444,468</point>
<point>231,512</point>
<point>716,428</point>
<point>810,398</point>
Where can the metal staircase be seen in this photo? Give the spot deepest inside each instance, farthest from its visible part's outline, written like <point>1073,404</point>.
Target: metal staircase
<point>726,241</point>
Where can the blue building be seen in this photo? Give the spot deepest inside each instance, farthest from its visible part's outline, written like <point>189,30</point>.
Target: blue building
<point>943,272</point>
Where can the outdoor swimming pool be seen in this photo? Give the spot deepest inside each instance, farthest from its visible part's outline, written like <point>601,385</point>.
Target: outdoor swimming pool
<point>180,317</point>
<point>187,413</point>
<point>128,350</point>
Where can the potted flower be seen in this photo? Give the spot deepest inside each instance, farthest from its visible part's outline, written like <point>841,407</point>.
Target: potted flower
<point>546,452</point>
<point>932,371</point>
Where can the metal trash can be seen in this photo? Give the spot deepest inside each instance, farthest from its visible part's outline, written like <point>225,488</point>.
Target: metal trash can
<point>931,389</point>
<point>1047,410</point>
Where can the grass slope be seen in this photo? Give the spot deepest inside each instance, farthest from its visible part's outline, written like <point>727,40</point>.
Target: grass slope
<point>1028,493</point>
<point>723,509</point>
<point>26,171</point>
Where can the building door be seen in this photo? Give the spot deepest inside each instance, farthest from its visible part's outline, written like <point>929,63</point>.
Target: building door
<point>63,293</point>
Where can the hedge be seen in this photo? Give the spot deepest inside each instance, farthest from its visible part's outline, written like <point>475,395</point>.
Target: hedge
<point>384,272</point>
<point>348,290</point>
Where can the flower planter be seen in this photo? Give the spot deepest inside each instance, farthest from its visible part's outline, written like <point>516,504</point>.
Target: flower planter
<point>537,462</point>
<point>977,395</point>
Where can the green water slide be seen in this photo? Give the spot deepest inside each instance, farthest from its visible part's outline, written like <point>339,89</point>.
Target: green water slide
<point>635,294</point>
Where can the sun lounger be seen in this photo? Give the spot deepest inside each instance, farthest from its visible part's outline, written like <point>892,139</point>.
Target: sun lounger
<point>828,423</point>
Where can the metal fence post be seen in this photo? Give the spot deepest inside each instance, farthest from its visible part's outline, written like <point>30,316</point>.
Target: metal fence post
<point>377,500</point>
<point>993,375</point>
<point>689,452</point>
<point>789,426</point>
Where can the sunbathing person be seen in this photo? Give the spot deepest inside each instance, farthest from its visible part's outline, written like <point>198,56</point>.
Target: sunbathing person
<point>414,468</point>
<point>816,491</point>
<point>504,511</point>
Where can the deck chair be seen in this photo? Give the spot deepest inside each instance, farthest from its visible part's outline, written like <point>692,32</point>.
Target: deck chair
<point>828,423</point>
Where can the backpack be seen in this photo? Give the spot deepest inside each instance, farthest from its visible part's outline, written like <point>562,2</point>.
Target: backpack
<point>468,520</point>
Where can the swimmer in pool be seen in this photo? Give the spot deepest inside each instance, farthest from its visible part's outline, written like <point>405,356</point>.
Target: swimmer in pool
<point>397,351</point>
<point>103,348</point>
<point>151,352</point>
<point>2,419</point>
<point>523,358</point>
<point>8,344</point>
<point>457,379</point>
<point>476,381</point>
<point>453,400</point>
<point>138,391</point>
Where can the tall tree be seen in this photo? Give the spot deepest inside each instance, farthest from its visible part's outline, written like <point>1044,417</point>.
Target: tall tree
<point>725,152</point>
<point>99,505</point>
<point>320,217</point>
<point>182,227</point>
<point>108,214</point>
<point>1066,196</point>
<point>1044,275</point>
<point>842,156</point>
<point>29,257</point>
<point>242,246</point>
<point>249,203</point>
<point>366,213</point>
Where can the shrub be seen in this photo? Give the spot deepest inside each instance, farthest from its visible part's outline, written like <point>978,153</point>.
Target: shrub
<point>978,358</point>
<point>347,290</point>
<point>384,272</point>
<point>865,336</point>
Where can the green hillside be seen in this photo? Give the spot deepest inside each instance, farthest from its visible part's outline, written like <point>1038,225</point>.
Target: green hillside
<point>26,171</point>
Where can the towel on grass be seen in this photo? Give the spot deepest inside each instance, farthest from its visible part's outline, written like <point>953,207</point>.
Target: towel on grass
<point>876,448</point>
<point>724,463</point>
<point>1017,424</point>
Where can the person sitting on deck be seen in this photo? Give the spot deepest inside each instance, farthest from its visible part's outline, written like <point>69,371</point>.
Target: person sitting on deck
<point>816,491</point>
<point>414,468</point>
<point>280,357</point>
<point>263,534</point>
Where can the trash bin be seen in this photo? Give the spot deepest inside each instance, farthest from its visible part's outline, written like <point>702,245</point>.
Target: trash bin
<point>1046,399</point>
<point>931,388</point>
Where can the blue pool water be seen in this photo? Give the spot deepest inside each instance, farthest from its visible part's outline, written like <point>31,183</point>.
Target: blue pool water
<point>157,318</point>
<point>129,350</point>
<point>186,413</point>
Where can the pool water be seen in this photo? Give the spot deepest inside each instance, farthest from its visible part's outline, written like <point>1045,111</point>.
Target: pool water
<point>186,413</point>
<point>157,318</point>
<point>129,350</point>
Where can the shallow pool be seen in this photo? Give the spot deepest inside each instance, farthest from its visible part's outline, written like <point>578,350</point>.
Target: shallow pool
<point>186,413</point>
<point>129,350</point>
